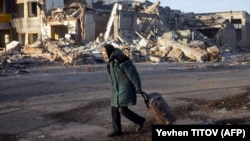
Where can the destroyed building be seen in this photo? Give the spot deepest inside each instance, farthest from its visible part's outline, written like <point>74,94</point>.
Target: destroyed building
<point>232,26</point>
<point>6,31</point>
<point>146,31</point>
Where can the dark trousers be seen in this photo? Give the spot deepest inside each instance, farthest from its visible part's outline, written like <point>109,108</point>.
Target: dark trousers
<point>116,117</point>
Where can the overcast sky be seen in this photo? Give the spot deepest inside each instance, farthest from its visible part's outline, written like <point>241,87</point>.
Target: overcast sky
<point>206,6</point>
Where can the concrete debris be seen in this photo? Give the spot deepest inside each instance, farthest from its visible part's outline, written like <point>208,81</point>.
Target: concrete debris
<point>32,50</point>
<point>14,45</point>
<point>144,32</point>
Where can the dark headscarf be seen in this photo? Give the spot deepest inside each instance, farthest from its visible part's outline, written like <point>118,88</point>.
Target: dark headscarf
<point>109,49</point>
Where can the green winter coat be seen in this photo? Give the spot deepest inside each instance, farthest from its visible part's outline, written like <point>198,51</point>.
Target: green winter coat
<point>125,80</point>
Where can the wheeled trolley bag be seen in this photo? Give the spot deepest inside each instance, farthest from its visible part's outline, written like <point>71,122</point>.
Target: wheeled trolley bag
<point>158,108</point>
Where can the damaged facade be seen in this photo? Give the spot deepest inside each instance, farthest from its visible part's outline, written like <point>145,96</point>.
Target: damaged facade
<point>38,20</point>
<point>223,24</point>
<point>145,31</point>
<point>6,31</point>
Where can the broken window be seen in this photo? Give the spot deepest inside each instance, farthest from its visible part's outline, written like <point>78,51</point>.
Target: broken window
<point>2,44</point>
<point>238,27</point>
<point>4,37</point>
<point>22,38</point>
<point>32,37</point>
<point>209,32</point>
<point>58,31</point>
<point>237,23</point>
<point>20,10</point>
<point>2,4</point>
<point>9,6</point>
<point>32,6</point>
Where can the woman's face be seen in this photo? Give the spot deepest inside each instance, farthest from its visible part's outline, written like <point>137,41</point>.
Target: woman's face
<point>105,55</point>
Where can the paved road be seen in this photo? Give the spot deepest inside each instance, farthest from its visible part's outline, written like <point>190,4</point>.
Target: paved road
<point>29,102</point>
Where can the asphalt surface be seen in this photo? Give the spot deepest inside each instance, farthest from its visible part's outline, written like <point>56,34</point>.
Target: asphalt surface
<point>44,103</point>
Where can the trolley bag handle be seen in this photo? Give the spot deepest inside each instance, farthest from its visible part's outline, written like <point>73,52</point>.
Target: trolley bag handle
<point>146,98</point>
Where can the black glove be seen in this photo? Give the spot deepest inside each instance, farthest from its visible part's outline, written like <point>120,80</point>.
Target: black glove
<point>139,91</point>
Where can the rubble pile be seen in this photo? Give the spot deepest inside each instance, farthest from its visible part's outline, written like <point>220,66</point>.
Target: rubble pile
<point>160,34</point>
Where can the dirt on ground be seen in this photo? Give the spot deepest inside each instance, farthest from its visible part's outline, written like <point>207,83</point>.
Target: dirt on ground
<point>230,103</point>
<point>240,101</point>
<point>86,112</point>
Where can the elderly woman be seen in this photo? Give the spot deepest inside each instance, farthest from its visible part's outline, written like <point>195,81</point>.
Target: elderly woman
<point>125,84</point>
